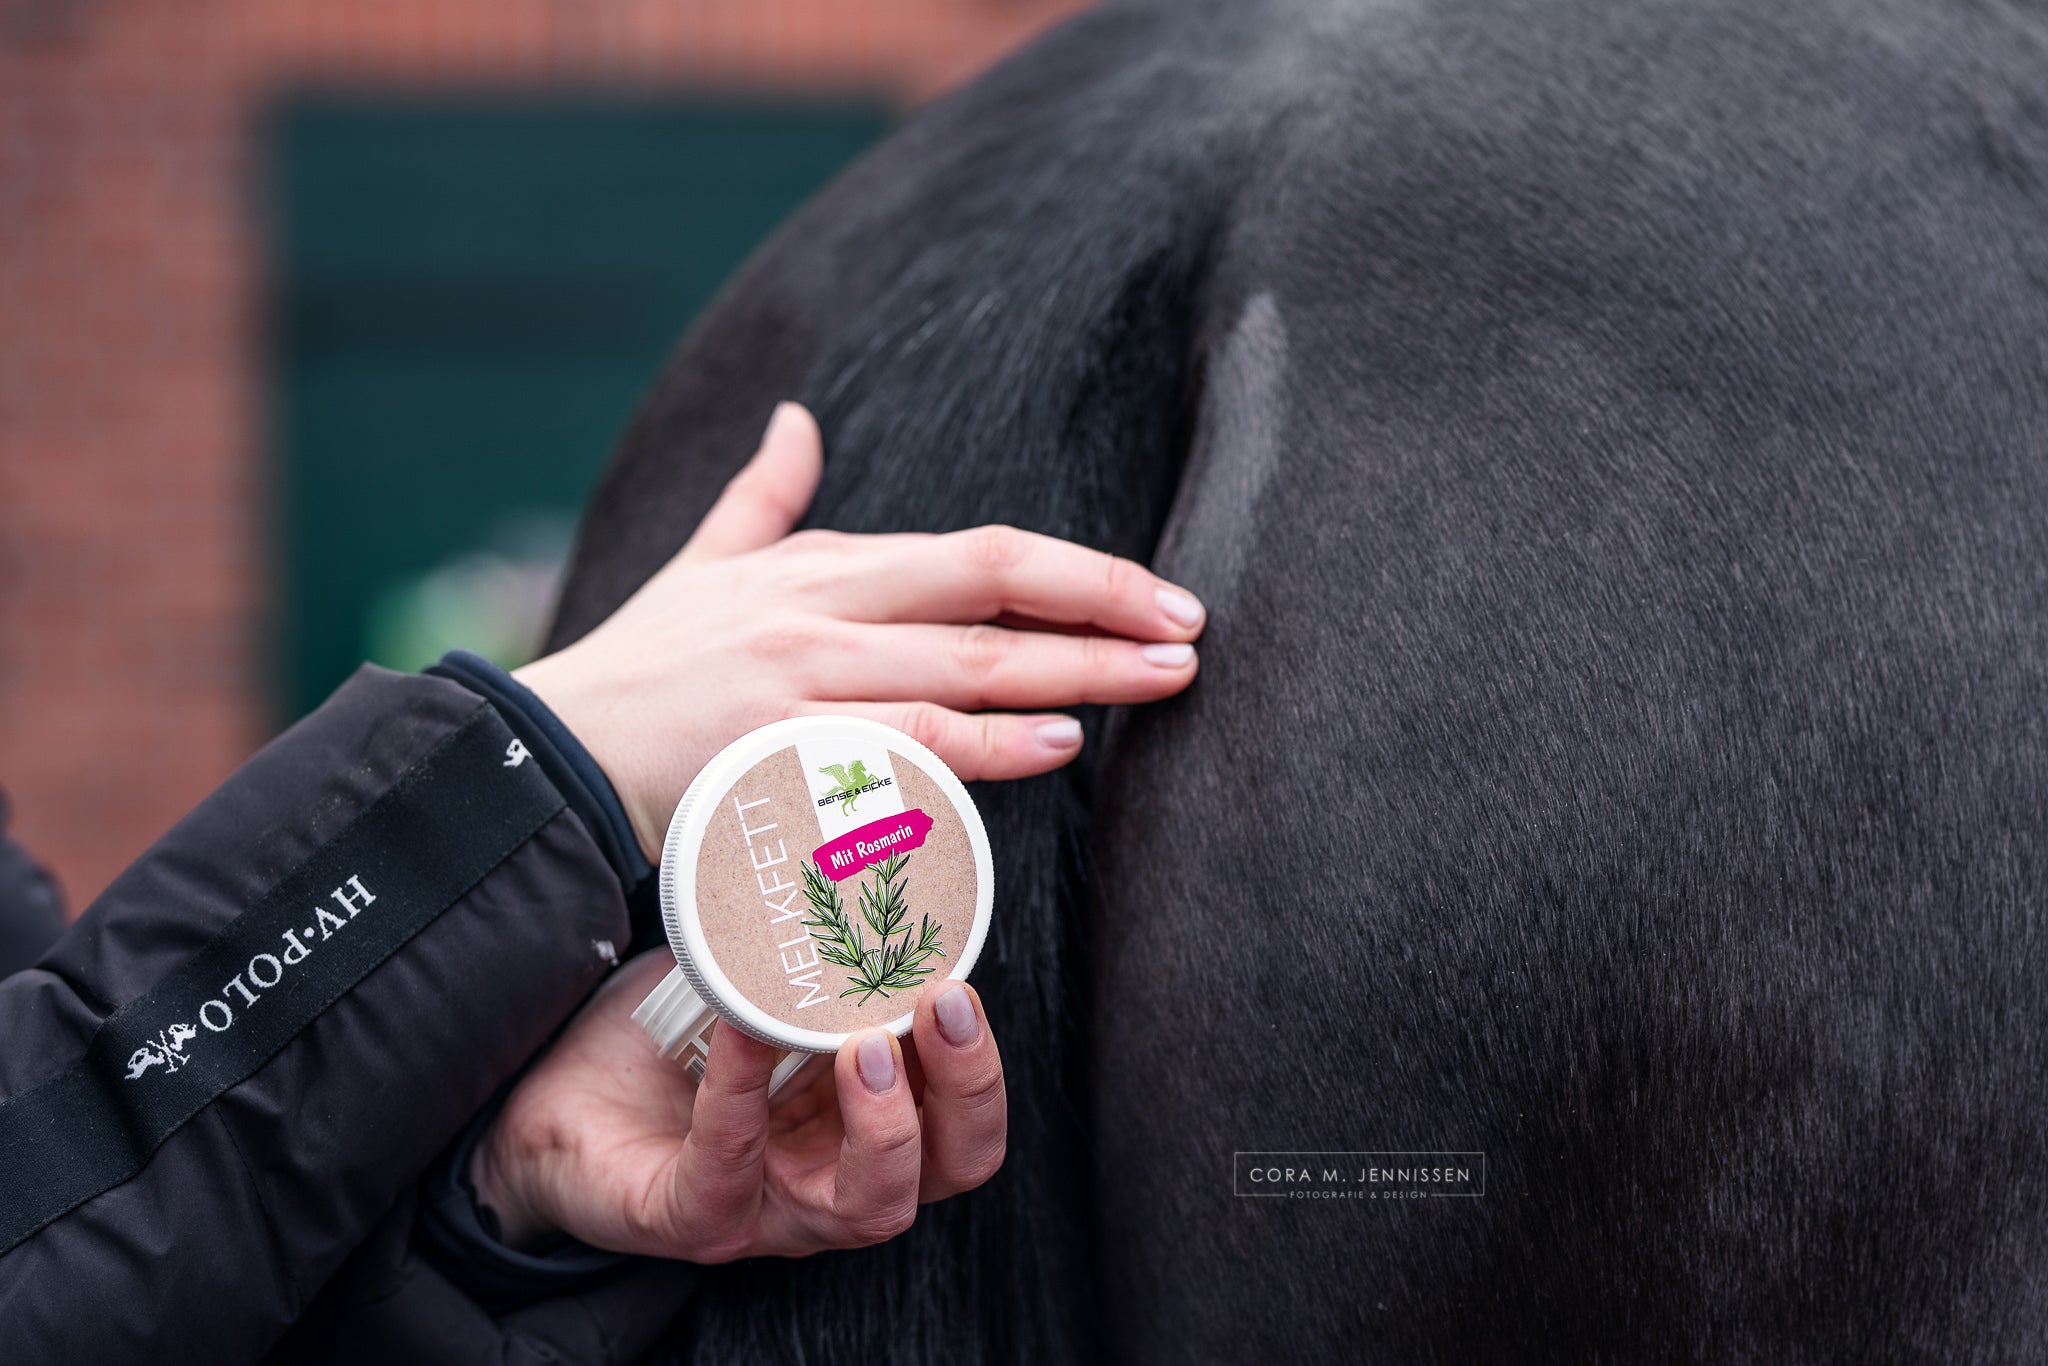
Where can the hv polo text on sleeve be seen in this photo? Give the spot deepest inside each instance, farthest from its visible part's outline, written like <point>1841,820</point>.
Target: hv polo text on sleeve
<point>163,1057</point>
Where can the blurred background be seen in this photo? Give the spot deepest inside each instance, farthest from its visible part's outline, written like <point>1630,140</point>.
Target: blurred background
<point>319,318</point>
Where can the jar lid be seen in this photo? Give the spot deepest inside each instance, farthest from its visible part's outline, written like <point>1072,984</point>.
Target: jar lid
<point>819,875</point>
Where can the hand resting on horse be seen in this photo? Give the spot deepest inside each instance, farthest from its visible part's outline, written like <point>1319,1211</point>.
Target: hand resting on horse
<point>749,624</point>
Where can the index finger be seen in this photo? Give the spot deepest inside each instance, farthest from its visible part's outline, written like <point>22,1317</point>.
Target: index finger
<point>989,571</point>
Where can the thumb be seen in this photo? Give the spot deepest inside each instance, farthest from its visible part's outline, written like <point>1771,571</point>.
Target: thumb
<point>769,494</point>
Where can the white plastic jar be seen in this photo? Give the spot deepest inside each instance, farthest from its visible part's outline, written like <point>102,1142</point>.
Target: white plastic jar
<point>819,876</point>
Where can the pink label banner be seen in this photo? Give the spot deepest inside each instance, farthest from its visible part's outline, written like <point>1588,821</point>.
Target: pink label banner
<point>846,856</point>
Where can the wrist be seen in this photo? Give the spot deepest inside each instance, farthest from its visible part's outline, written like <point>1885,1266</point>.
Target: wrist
<point>509,1215</point>
<point>587,712</point>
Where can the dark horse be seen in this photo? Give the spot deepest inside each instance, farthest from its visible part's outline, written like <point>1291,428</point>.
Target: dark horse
<point>1612,441</point>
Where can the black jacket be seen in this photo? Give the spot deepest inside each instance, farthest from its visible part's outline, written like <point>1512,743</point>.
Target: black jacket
<point>223,1092</point>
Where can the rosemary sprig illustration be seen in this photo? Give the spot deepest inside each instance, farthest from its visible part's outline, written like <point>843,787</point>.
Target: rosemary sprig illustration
<point>881,905</point>
<point>839,939</point>
<point>893,964</point>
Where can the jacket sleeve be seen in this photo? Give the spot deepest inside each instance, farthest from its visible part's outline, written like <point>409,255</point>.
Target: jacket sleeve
<point>218,1092</point>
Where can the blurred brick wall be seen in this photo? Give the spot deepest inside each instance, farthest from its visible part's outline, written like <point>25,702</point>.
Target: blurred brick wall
<point>132,559</point>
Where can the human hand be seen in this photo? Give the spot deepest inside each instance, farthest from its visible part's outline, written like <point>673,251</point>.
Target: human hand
<point>749,624</point>
<point>608,1142</point>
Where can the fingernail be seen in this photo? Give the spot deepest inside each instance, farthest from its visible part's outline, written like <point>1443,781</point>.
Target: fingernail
<point>783,411</point>
<point>956,1018</point>
<point>877,1062</point>
<point>1181,607</point>
<point>1167,656</point>
<point>1064,733</point>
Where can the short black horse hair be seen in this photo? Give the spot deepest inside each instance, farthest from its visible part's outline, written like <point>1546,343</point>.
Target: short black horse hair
<point>1612,441</point>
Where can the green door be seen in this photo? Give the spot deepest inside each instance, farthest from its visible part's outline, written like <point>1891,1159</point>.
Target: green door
<point>470,297</point>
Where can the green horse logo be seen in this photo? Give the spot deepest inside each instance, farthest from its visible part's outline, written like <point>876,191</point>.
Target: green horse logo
<point>850,781</point>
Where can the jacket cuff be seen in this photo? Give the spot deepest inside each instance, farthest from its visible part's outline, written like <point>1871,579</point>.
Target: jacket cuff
<point>562,758</point>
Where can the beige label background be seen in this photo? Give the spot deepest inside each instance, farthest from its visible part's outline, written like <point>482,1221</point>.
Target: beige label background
<point>939,881</point>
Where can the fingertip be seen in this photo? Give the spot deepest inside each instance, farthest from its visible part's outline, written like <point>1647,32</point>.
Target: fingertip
<point>792,436</point>
<point>951,1014</point>
<point>871,1060</point>
<point>978,747</point>
<point>953,1038</point>
<point>1022,747</point>
<point>1172,667</point>
<point>1058,735</point>
<point>767,498</point>
<point>1181,608</point>
<point>1032,745</point>
<point>1168,654</point>
<point>736,1064</point>
<point>791,460</point>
